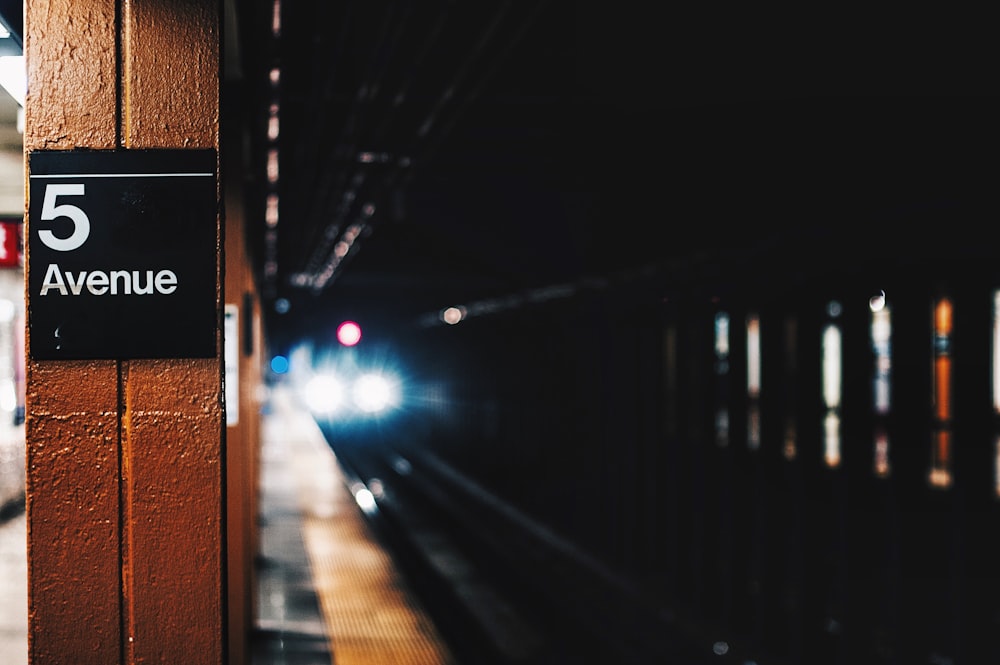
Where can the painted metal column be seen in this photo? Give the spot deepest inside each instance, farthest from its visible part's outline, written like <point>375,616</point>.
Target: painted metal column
<point>125,491</point>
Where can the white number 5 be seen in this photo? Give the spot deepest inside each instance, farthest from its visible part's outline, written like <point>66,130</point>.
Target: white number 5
<point>81,223</point>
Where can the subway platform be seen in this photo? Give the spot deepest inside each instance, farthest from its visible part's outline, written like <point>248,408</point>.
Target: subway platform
<point>327,592</point>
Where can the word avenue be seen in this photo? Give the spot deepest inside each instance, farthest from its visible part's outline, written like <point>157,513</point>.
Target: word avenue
<point>99,283</point>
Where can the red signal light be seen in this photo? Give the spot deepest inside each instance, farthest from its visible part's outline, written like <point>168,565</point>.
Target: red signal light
<point>348,333</point>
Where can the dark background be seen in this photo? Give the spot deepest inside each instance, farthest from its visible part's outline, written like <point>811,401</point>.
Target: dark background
<point>502,146</point>
<point>516,145</point>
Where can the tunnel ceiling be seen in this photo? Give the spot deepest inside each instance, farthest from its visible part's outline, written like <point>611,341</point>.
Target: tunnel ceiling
<point>472,150</point>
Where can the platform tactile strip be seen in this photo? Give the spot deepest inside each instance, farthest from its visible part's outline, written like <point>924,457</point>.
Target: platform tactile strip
<point>371,616</point>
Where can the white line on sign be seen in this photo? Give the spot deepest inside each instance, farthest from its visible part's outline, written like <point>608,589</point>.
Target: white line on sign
<point>120,175</point>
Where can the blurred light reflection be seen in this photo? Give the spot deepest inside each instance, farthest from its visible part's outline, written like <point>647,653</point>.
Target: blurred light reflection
<point>882,467</point>
<point>790,446</point>
<point>996,388</point>
<point>831,366</point>
<point>364,498</point>
<point>832,371</point>
<point>831,439</point>
<point>996,351</point>
<point>722,379</point>
<point>996,465</point>
<point>881,339</point>
<point>940,475</point>
<point>753,381</point>
<point>881,332</point>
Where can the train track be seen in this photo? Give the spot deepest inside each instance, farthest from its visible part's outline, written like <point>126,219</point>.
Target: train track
<point>502,587</point>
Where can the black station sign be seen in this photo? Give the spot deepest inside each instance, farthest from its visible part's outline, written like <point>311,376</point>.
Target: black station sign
<point>121,256</point>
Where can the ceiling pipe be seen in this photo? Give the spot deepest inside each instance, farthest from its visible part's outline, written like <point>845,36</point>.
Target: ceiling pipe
<point>400,174</point>
<point>344,145</point>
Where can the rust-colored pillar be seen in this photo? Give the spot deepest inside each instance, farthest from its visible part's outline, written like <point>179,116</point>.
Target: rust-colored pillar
<point>125,491</point>
<point>244,358</point>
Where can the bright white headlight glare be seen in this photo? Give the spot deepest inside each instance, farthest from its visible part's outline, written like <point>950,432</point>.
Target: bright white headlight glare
<point>374,393</point>
<point>324,394</point>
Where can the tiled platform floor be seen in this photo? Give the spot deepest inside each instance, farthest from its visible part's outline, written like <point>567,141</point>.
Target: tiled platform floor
<point>325,582</point>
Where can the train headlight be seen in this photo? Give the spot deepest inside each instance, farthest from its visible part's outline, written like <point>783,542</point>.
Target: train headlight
<point>324,394</point>
<point>374,393</point>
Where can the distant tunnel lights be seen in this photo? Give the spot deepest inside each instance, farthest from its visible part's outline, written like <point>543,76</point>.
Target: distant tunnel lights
<point>324,394</point>
<point>374,393</point>
<point>365,395</point>
<point>453,315</point>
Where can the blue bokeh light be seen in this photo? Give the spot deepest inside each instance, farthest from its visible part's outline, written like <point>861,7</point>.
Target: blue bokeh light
<point>279,364</point>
